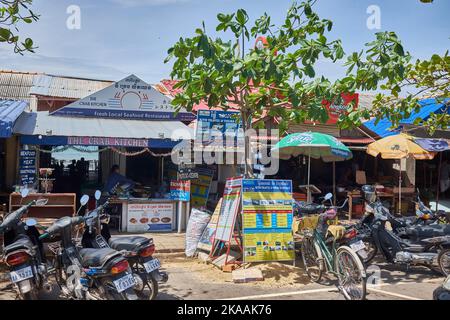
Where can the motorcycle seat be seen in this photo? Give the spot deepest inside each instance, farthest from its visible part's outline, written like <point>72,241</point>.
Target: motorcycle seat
<point>22,242</point>
<point>428,231</point>
<point>132,243</point>
<point>96,258</point>
<point>310,208</point>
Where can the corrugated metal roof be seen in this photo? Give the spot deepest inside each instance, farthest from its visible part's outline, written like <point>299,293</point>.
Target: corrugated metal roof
<point>66,87</point>
<point>383,127</point>
<point>10,110</point>
<point>16,85</point>
<point>41,123</point>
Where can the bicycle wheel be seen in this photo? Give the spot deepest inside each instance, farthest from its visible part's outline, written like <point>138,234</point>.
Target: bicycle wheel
<point>351,274</point>
<point>444,261</point>
<point>312,259</point>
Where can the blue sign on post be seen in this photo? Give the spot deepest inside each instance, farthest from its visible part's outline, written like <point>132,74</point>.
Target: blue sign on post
<point>180,190</point>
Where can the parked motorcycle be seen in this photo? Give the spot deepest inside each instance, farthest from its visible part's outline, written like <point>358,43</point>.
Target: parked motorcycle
<point>137,249</point>
<point>443,291</point>
<point>87,273</point>
<point>24,253</point>
<point>430,252</point>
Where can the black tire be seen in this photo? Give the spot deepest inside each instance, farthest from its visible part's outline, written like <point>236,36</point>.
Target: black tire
<point>351,274</point>
<point>150,291</point>
<point>372,251</point>
<point>443,259</point>
<point>312,259</point>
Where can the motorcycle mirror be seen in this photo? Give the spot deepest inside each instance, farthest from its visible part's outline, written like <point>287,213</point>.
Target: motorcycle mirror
<point>84,200</point>
<point>31,222</point>
<point>41,202</point>
<point>25,192</point>
<point>97,195</point>
<point>328,196</point>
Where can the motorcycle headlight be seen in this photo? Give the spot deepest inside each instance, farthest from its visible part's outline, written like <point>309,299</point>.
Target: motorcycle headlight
<point>446,284</point>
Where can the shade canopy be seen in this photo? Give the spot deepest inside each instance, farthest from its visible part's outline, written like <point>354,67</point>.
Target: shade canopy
<point>43,124</point>
<point>314,144</point>
<point>398,147</point>
<point>10,110</point>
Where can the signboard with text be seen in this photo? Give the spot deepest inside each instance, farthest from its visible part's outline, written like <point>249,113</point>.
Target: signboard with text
<point>180,190</point>
<point>229,209</point>
<point>200,187</point>
<point>27,167</point>
<point>218,129</point>
<point>144,217</point>
<point>130,98</point>
<point>267,220</point>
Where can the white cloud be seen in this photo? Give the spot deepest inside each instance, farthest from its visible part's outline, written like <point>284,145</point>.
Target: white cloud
<point>140,3</point>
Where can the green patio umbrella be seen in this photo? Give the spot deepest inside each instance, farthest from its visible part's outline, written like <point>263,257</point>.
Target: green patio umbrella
<point>314,145</point>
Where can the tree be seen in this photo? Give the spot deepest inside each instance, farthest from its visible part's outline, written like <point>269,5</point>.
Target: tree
<point>384,65</point>
<point>12,13</point>
<point>278,78</point>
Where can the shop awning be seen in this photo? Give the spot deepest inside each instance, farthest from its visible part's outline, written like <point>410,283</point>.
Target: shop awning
<point>42,128</point>
<point>10,110</point>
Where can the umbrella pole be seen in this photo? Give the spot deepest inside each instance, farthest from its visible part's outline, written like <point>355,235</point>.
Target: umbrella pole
<point>400,187</point>
<point>438,182</point>
<point>334,183</point>
<point>308,195</point>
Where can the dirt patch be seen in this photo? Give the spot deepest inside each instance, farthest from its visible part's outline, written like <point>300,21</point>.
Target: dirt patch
<point>276,274</point>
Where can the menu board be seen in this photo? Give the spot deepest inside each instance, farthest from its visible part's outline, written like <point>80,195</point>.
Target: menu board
<point>200,187</point>
<point>267,220</point>
<point>229,209</point>
<point>143,217</point>
<point>27,167</point>
<point>207,238</point>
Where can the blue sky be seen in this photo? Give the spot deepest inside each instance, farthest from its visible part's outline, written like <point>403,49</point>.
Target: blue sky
<point>121,37</point>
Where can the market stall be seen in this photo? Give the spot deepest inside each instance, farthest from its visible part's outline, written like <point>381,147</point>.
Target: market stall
<point>132,128</point>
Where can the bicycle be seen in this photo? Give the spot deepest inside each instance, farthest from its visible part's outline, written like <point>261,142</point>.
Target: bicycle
<point>321,254</point>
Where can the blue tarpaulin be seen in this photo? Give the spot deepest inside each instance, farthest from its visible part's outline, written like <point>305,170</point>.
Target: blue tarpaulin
<point>10,110</point>
<point>428,106</point>
<point>433,145</point>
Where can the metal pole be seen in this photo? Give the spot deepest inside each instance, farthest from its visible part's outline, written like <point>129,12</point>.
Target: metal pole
<point>438,182</point>
<point>180,216</point>
<point>308,195</point>
<point>334,183</point>
<point>400,187</point>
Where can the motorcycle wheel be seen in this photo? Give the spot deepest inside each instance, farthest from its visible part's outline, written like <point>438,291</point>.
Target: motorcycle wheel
<point>312,259</point>
<point>443,259</point>
<point>372,251</point>
<point>32,295</point>
<point>150,290</point>
<point>351,274</point>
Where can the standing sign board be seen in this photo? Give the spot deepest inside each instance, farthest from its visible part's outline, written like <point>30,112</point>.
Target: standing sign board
<point>144,217</point>
<point>27,167</point>
<point>207,238</point>
<point>130,98</point>
<point>218,129</point>
<point>180,190</point>
<point>229,209</point>
<point>267,220</point>
<point>200,187</point>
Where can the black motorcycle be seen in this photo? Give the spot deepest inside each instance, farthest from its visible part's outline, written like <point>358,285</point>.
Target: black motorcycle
<point>137,249</point>
<point>24,252</point>
<point>443,292</point>
<point>87,273</point>
<point>430,252</point>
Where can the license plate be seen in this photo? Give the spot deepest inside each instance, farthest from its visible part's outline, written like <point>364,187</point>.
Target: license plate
<point>124,283</point>
<point>358,245</point>
<point>21,274</point>
<point>152,265</point>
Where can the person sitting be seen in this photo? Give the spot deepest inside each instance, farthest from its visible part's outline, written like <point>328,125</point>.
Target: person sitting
<point>116,178</point>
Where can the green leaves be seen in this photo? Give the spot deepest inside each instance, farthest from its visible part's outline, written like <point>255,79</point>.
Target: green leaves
<point>12,13</point>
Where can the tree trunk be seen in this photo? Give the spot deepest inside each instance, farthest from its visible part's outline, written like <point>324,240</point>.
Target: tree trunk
<point>246,125</point>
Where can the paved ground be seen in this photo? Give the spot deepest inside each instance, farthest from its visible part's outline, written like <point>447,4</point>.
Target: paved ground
<point>190,279</point>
